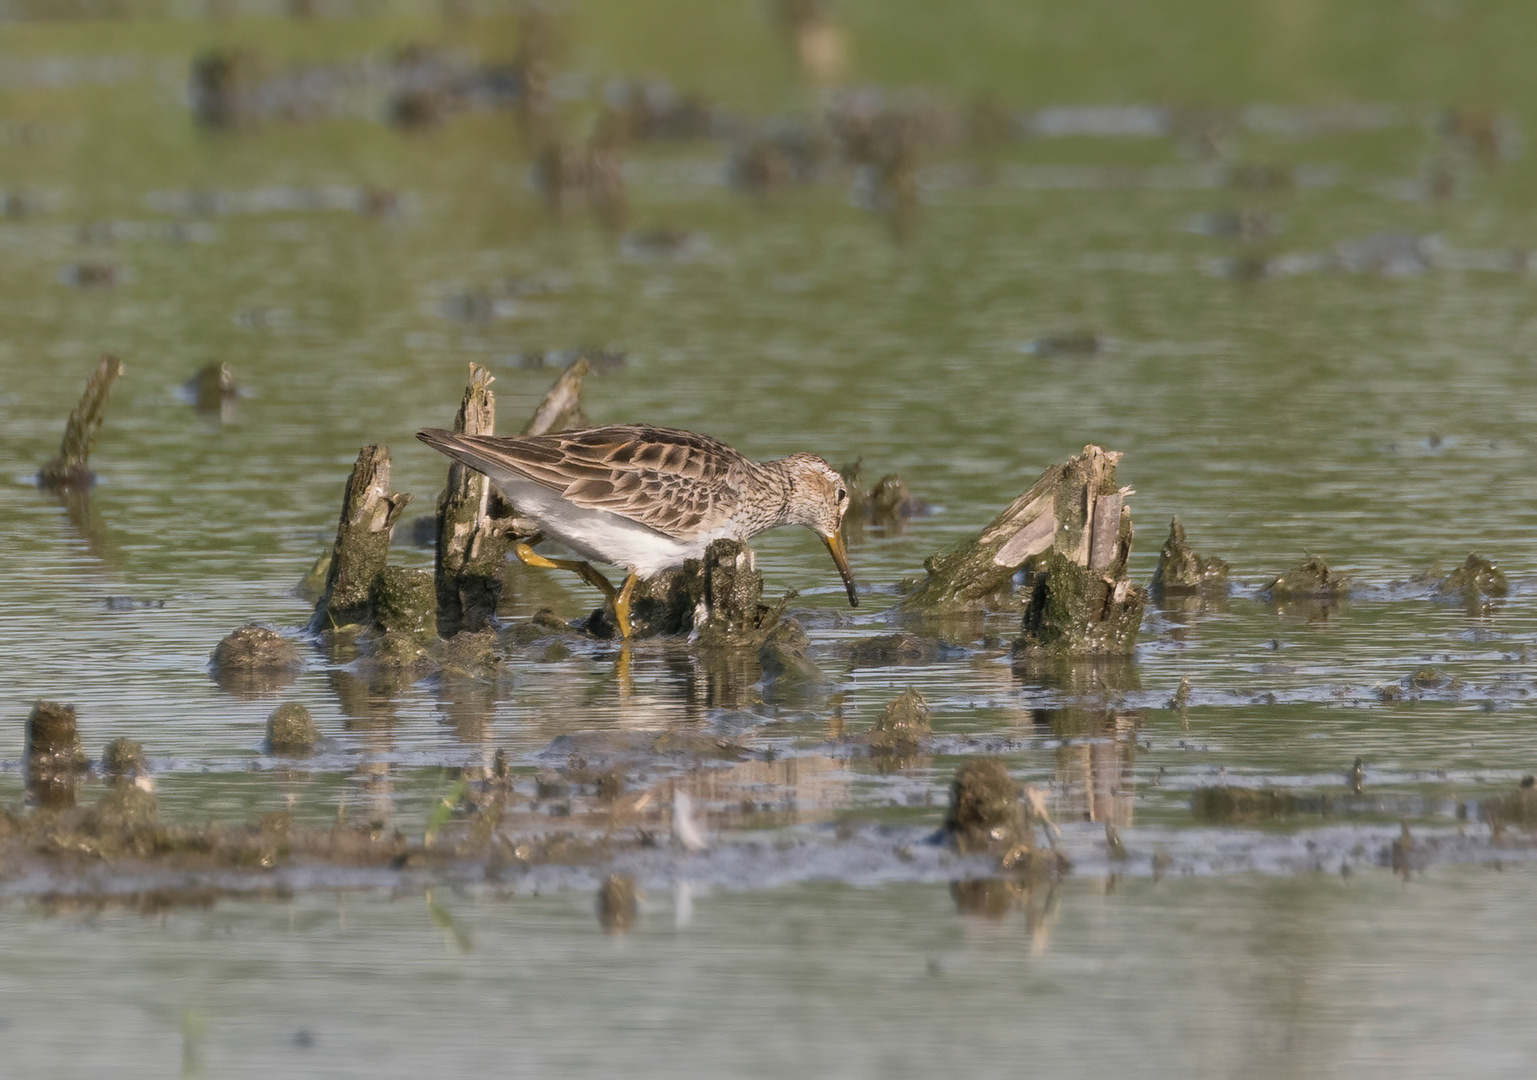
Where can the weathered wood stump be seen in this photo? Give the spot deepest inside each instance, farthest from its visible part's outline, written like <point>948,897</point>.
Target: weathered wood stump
<point>903,727</point>
<point>224,89</point>
<point>212,390</point>
<point>1081,610</point>
<point>1072,530</point>
<point>401,601</point>
<point>1073,507</point>
<point>123,762</point>
<point>369,513</point>
<point>987,812</point>
<point>70,469</point>
<point>291,731</point>
<point>1476,579</point>
<point>887,507</point>
<point>253,660</point>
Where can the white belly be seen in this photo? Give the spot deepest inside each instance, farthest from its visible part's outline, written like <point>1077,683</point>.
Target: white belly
<point>599,536</point>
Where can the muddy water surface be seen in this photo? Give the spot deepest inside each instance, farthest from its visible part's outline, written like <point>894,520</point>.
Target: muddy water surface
<point>1300,307</point>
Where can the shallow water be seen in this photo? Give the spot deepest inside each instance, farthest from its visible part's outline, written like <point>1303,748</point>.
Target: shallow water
<point>1304,976</point>
<point>1352,379</point>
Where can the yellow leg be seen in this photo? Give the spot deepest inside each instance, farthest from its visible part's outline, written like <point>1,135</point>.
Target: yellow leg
<point>618,599</point>
<point>622,606</point>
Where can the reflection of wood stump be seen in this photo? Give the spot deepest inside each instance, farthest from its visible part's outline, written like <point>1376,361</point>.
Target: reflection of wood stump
<point>369,513</point>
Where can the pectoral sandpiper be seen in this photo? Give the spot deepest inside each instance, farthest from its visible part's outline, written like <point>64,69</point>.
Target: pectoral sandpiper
<point>648,498</point>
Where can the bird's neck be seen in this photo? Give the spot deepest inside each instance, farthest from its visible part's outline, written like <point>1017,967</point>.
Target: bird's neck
<point>774,486</point>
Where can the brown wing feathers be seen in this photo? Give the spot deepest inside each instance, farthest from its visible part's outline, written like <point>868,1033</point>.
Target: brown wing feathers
<point>665,479</point>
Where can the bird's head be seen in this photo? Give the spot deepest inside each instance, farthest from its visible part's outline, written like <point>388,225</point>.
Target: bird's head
<point>819,497</point>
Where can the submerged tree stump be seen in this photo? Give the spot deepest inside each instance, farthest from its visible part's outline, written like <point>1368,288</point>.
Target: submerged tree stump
<point>53,759</point>
<point>368,517</point>
<point>70,469</point>
<point>987,812</point>
<point>1476,579</point>
<point>1309,580</point>
<point>903,727</point>
<point>717,599</point>
<point>1076,611</point>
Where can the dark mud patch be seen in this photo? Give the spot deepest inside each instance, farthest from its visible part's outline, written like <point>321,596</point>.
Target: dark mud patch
<point>87,857</point>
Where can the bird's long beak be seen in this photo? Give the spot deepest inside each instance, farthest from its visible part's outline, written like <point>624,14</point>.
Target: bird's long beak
<point>840,554</point>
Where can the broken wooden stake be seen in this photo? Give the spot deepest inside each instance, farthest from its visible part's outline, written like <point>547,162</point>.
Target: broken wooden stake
<point>70,470</point>
<point>471,560</point>
<point>561,408</point>
<point>476,525</point>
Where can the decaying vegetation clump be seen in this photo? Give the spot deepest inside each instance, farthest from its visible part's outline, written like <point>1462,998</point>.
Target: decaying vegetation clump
<point>1227,804</point>
<point>1181,571</point>
<point>1309,580</point>
<point>291,730</point>
<point>255,659</point>
<point>123,759</point>
<point>53,759</point>
<point>902,728</point>
<point>1475,583</point>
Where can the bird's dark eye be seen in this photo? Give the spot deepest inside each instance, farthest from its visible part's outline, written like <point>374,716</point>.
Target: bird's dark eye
<point>842,494</point>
